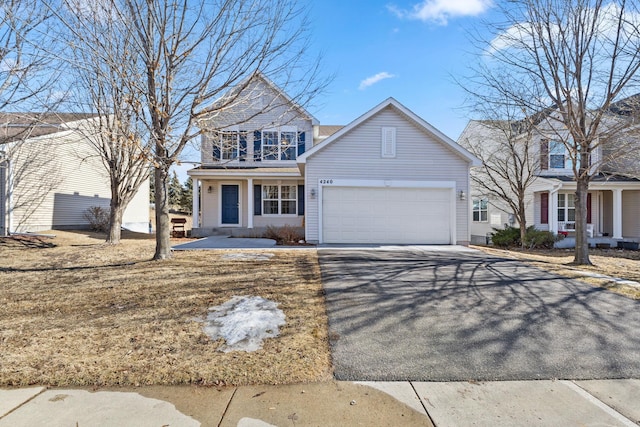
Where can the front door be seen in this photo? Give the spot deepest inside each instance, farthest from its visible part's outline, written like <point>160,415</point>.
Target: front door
<point>230,205</point>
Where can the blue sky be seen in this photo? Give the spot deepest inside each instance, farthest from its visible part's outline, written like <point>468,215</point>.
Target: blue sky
<point>411,50</point>
<point>416,48</point>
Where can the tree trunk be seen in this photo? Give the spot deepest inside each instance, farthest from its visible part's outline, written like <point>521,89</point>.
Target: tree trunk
<point>115,222</point>
<point>163,232</point>
<point>581,256</point>
<point>522,220</point>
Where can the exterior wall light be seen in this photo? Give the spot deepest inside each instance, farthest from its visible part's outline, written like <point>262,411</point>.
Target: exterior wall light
<point>462,195</point>
<point>313,193</point>
<point>210,189</point>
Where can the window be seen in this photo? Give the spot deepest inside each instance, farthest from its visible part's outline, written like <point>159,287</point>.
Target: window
<point>279,145</point>
<point>566,208</point>
<point>229,145</point>
<point>279,199</point>
<point>556,155</point>
<point>480,210</point>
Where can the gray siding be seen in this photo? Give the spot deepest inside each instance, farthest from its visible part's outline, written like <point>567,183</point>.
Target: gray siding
<point>260,108</point>
<point>419,157</point>
<point>631,214</point>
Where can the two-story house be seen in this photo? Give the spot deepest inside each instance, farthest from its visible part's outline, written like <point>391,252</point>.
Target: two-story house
<point>387,177</point>
<point>613,200</point>
<point>50,174</point>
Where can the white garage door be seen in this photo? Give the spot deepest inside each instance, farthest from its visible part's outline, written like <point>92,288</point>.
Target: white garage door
<point>386,215</point>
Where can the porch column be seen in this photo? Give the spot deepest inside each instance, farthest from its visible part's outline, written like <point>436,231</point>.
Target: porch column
<point>617,213</point>
<point>553,212</point>
<point>250,202</point>
<point>195,203</point>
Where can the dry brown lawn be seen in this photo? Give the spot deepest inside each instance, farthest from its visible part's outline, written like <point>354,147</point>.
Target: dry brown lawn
<point>78,312</point>
<point>616,263</point>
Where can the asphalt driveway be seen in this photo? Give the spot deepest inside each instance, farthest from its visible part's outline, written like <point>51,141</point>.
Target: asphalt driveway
<point>414,314</point>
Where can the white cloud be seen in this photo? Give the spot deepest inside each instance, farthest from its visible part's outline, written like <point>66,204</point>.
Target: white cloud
<point>440,11</point>
<point>369,81</point>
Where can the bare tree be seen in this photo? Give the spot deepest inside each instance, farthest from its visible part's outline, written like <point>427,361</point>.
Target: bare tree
<point>578,56</point>
<point>503,142</point>
<point>103,60</point>
<point>193,52</point>
<point>27,77</point>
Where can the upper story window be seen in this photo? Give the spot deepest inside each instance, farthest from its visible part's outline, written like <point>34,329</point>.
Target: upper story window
<point>555,155</point>
<point>229,145</point>
<point>279,145</point>
<point>480,210</point>
<point>557,158</point>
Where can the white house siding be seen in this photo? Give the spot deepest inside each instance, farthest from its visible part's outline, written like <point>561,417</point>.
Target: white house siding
<point>250,116</point>
<point>631,214</point>
<point>56,178</point>
<point>136,215</point>
<point>356,155</point>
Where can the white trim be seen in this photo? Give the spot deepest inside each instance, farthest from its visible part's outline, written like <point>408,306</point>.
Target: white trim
<point>445,140</point>
<point>279,184</point>
<point>195,202</point>
<point>378,183</point>
<point>220,184</point>
<point>250,207</point>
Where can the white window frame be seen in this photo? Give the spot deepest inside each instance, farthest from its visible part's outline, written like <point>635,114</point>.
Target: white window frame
<point>477,208</point>
<point>229,154</point>
<point>280,199</point>
<point>279,147</point>
<point>566,203</point>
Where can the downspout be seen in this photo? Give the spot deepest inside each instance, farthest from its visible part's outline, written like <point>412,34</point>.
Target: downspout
<point>553,202</point>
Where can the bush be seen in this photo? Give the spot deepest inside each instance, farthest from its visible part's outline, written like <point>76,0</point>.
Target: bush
<point>98,218</point>
<point>284,235</point>
<point>539,239</point>
<point>510,237</point>
<point>506,237</point>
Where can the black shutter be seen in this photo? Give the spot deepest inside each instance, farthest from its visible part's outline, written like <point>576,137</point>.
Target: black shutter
<point>257,199</point>
<point>544,154</point>
<point>257,142</point>
<point>243,146</point>
<point>300,199</point>
<point>215,142</point>
<point>301,142</point>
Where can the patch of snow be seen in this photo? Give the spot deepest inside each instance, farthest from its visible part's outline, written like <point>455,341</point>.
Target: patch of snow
<point>244,322</point>
<point>252,422</point>
<point>245,256</point>
<point>613,279</point>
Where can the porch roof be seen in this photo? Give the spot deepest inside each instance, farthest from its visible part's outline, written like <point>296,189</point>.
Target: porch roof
<point>601,181</point>
<point>204,172</point>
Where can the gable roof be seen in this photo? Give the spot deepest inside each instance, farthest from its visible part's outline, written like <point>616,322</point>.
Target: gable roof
<point>258,75</point>
<point>20,126</point>
<point>391,102</point>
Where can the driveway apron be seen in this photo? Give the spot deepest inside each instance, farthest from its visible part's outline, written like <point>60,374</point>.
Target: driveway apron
<point>420,315</point>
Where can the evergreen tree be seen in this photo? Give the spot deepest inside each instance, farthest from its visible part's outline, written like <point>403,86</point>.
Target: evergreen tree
<point>186,197</point>
<point>175,190</point>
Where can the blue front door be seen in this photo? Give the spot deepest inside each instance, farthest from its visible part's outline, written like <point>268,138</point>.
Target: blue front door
<point>230,211</point>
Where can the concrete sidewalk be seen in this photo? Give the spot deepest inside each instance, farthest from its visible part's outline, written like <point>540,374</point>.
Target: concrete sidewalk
<point>506,403</point>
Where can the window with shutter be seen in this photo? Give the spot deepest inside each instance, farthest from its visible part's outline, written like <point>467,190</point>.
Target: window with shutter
<point>388,142</point>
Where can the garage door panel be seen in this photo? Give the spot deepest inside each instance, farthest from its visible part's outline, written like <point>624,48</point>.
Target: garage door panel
<point>386,215</point>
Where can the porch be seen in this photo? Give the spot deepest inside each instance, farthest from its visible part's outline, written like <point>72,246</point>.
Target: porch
<point>570,242</point>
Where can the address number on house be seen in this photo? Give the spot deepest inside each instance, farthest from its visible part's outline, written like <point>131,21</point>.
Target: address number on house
<point>326,181</point>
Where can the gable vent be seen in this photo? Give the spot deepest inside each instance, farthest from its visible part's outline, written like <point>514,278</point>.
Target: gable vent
<point>388,142</point>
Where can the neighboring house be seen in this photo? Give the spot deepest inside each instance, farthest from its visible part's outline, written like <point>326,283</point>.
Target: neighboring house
<point>387,177</point>
<point>50,175</point>
<point>613,201</point>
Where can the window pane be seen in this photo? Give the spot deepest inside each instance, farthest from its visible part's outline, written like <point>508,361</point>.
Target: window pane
<point>556,161</point>
<point>270,145</point>
<point>560,200</point>
<point>228,145</point>
<point>288,143</point>
<point>483,216</point>
<point>571,214</point>
<point>483,204</point>
<point>289,192</point>
<point>288,208</point>
<point>270,192</point>
<point>476,205</point>
<point>270,207</point>
<point>571,201</point>
<point>561,214</point>
<point>476,215</point>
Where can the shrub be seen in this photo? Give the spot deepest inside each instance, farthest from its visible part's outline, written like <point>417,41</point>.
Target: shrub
<point>510,237</point>
<point>98,218</point>
<point>539,239</point>
<point>506,237</point>
<point>283,235</point>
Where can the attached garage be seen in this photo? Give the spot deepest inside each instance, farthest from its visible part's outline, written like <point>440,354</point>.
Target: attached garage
<point>387,215</point>
<point>388,177</point>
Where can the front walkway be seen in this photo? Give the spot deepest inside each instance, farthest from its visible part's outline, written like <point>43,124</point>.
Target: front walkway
<point>225,242</point>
